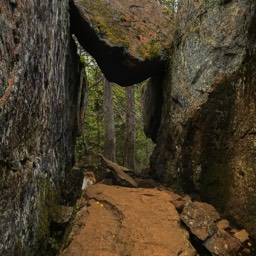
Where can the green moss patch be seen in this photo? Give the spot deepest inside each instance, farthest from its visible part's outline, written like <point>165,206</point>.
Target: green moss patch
<point>145,32</point>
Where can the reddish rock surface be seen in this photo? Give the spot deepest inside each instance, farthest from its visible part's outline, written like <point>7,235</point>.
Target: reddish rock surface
<point>123,221</point>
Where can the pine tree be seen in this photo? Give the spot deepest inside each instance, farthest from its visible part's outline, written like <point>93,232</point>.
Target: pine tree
<point>109,125</point>
<point>129,148</point>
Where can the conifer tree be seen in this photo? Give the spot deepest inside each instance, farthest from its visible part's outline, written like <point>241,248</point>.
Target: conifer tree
<point>129,147</point>
<point>109,124</point>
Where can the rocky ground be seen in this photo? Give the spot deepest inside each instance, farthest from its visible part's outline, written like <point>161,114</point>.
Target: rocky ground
<point>139,217</point>
<point>128,221</point>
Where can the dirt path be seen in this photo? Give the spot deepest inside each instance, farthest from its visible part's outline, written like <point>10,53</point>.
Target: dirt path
<point>121,221</point>
<point>141,221</point>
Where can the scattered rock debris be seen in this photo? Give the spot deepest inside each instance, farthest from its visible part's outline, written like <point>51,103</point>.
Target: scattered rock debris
<point>127,214</point>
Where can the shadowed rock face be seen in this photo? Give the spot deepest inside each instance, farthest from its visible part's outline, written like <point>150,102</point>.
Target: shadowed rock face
<point>39,84</point>
<point>206,141</point>
<point>152,107</point>
<point>128,39</point>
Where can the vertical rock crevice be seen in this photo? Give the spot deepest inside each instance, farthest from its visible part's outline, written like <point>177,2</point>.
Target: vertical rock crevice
<point>152,106</point>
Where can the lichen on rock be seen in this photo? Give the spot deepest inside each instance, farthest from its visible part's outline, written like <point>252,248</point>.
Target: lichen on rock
<point>143,27</point>
<point>129,39</point>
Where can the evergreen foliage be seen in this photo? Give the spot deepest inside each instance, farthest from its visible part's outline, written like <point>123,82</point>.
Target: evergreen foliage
<point>93,136</point>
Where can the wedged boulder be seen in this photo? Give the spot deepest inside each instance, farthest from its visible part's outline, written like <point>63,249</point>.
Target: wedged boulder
<point>128,39</point>
<point>206,141</point>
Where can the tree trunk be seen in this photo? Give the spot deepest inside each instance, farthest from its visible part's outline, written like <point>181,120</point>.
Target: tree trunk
<point>109,125</point>
<point>129,148</point>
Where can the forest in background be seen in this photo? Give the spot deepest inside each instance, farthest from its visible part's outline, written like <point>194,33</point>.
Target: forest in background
<point>92,138</point>
<point>132,150</point>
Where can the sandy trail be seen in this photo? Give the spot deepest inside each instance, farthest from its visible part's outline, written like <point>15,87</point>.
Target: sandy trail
<point>121,221</point>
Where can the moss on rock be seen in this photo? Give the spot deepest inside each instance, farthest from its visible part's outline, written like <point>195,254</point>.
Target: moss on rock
<point>132,24</point>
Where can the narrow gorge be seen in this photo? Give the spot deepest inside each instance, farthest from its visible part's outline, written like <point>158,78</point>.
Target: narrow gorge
<point>199,102</point>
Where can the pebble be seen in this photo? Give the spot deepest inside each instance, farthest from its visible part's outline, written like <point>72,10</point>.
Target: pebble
<point>242,235</point>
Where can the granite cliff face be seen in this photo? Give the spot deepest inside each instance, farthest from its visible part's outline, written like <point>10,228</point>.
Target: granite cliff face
<point>206,140</point>
<point>39,84</point>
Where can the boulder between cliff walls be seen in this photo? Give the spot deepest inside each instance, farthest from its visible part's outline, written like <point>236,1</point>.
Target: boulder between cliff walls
<point>39,82</point>
<point>206,142</point>
<point>129,39</point>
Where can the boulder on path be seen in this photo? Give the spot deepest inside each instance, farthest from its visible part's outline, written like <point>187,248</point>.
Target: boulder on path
<point>62,215</point>
<point>119,174</point>
<point>180,202</point>
<point>128,38</point>
<point>223,224</point>
<point>242,235</point>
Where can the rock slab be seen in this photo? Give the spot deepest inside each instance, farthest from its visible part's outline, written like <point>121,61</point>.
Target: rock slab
<point>206,140</point>
<point>39,84</point>
<point>128,221</point>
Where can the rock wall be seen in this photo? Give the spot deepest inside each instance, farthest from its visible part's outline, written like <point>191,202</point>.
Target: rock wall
<point>39,81</point>
<point>206,141</point>
<point>152,106</point>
